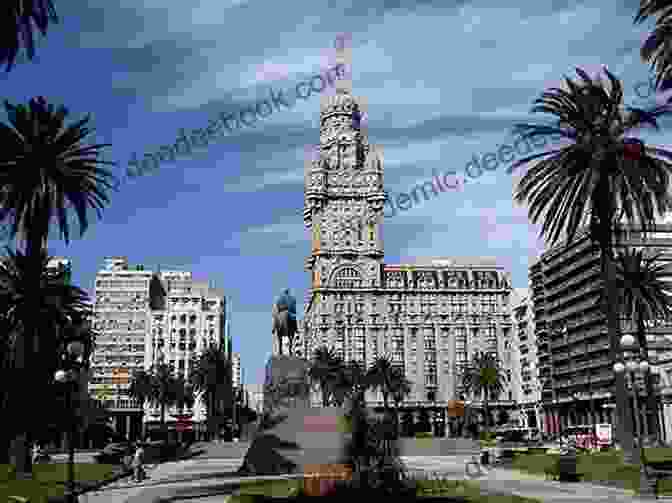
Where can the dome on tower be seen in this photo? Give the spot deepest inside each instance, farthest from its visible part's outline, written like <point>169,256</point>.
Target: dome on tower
<point>339,103</point>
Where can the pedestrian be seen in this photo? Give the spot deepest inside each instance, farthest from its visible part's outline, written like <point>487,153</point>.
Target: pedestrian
<point>138,468</point>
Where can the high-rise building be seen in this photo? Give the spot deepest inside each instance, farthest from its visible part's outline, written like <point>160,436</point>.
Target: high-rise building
<point>575,366</point>
<point>235,363</point>
<point>187,316</point>
<point>525,369</point>
<point>255,396</point>
<point>146,318</point>
<point>121,317</point>
<point>430,316</point>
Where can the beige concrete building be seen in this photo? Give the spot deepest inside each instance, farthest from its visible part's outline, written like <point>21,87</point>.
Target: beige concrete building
<point>429,315</point>
<point>144,318</point>
<point>525,368</point>
<point>235,363</point>
<point>573,347</point>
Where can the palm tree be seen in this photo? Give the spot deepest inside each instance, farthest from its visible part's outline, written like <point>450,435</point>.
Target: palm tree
<point>657,48</point>
<point>164,386</point>
<point>17,18</point>
<point>645,290</point>
<point>158,386</point>
<point>484,377</point>
<point>46,171</point>
<point>324,370</point>
<point>60,305</point>
<point>140,386</point>
<point>598,178</point>
<point>184,394</point>
<point>380,376</point>
<point>211,376</point>
<point>401,388</point>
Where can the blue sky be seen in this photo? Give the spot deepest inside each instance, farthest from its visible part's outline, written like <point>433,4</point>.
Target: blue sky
<point>441,81</point>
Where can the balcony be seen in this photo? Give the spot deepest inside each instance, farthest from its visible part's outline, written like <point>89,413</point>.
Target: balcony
<point>572,281</point>
<point>568,263</point>
<point>560,355</point>
<point>590,289</point>
<point>563,315</point>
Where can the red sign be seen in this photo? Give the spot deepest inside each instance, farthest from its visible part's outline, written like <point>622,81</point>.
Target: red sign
<point>184,427</point>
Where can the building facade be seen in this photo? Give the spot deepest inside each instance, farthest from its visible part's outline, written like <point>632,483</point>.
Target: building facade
<point>430,316</point>
<point>121,318</point>
<point>235,364</point>
<point>575,366</point>
<point>525,371</point>
<point>187,317</point>
<point>144,318</point>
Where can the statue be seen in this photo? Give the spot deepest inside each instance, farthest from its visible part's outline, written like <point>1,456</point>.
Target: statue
<point>284,320</point>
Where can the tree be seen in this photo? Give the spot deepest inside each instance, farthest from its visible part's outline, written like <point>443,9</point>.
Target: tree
<point>599,178</point>
<point>380,376</point>
<point>401,388</point>
<point>392,382</point>
<point>211,376</point>
<point>657,48</point>
<point>59,307</point>
<point>484,377</point>
<point>503,418</point>
<point>164,389</point>
<point>159,386</point>
<point>325,371</point>
<point>46,171</point>
<point>184,394</point>
<point>17,18</point>
<point>140,386</point>
<point>644,287</point>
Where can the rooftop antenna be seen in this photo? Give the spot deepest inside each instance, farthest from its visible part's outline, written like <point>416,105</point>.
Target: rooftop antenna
<point>344,57</point>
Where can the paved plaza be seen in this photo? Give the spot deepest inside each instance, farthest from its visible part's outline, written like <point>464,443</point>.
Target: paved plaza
<point>211,476</point>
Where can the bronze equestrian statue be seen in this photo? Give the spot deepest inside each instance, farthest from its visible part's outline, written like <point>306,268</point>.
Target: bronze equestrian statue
<point>284,320</point>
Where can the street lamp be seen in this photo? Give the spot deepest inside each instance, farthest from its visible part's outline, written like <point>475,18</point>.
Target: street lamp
<point>634,364</point>
<point>69,376</point>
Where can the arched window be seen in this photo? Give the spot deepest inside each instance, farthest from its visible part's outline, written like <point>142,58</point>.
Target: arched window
<point>348,277</point>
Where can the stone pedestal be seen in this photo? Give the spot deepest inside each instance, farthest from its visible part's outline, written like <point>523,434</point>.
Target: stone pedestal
<point>293,436</point>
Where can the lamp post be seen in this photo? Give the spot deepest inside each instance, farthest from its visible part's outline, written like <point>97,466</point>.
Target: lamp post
<point>633,363</point>
<point>69,376</point>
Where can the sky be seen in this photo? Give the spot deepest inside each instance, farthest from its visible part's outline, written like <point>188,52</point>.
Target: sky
<point>441,81</point>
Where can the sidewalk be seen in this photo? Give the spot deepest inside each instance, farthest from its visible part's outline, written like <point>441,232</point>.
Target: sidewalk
<point>533,486</point>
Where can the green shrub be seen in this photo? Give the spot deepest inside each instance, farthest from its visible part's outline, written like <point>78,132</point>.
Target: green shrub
<point>423,434</point>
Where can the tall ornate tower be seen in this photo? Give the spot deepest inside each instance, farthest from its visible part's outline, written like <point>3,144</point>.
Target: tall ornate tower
<point>344,198</point>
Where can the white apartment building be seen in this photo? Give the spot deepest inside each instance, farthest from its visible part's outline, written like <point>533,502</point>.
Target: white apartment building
<point>121,317</point>
<point>255,396</point>
<point>525,372</point>
<point>187,316</point>
<point>235,363</point>
<point>144,318</point>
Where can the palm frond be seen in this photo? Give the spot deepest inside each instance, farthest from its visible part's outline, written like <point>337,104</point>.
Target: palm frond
<point>47,171</point>
<point>657,47</point>
<point>603,170</point>
<point>19,21</point>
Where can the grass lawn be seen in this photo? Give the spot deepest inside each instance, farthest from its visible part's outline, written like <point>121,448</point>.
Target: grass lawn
<point>603,466</point>
<point>49,480</point>
<point>449,488</point>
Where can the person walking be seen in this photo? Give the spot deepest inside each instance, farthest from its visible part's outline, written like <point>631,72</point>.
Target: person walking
<point>138,466</point>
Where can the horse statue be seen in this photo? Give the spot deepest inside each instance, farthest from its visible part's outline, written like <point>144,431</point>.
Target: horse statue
<point>284,320</point>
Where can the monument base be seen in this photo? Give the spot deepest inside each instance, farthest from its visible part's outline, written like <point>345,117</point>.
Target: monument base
<point>295,437</point>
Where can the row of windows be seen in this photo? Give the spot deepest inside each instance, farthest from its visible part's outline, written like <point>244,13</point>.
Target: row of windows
<point>119,347</point>
<point>122,284</point>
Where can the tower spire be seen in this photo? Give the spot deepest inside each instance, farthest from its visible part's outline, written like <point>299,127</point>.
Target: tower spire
<point>344,57</point>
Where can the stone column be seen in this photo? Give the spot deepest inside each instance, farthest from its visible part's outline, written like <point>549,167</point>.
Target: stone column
<point>128,426</point>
